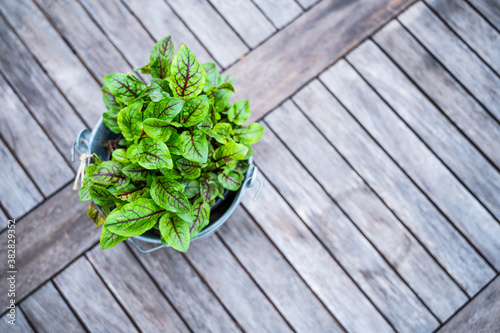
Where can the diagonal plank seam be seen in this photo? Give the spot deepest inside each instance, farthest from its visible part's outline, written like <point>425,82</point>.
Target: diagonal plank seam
<point>352,221</point>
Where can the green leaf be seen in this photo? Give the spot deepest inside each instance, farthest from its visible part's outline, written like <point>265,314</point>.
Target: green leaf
<point>110,100</point>
<point>134,218</point>
<point>206,127</point>
<point>175,231</point>
<point>213,90</point>
<point>187,76</point>
<point>212,77</point>
<point>171,173</point>
<point>159,90</point>
<point>160,69</point>
<point>195,146</point>
<point>158,129</point>
<point>189,169</point>
<point>164,47</point>
<point>166,109</point>
<point>110,120</point>
<point>130,121</point>
<point>135,171</point>
<point>109,239</point>
<point>109,173</point>
<point>83,194</point>
<point>209,189</point>
<point>154,154</point>
<point>120,155</point>
<point>130,192</point>
<point>231,180</point>
<point>167,193</point>
<point>223,129</point>
<point>201,214</point>
<point>221,100</point>
<point>239,113</point>
<point>191,187</point>
<point>230,151</point>
<point>125,87</point>
<point>250,134</point>
<point>174,144</point>
<point>194,111</point>
<point>101,195</point>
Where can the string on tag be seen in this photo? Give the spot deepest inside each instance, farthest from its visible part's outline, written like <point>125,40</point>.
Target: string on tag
<point>81,171</point>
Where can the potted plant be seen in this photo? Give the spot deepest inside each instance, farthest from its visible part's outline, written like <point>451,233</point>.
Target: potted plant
<point>164,155</point>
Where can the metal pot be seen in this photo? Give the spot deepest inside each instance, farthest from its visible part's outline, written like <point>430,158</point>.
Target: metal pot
<point>92,142</point>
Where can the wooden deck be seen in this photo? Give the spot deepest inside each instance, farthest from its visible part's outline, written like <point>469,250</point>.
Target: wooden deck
<point>381,167</point>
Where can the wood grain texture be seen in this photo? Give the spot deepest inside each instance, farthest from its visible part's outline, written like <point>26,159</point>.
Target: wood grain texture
<point>234,287</point>
<point>490,9</point>
<point>305,48</point>
<point>309,258</point>
<point>292,297</point>
<point>88,296</point>
<point>280,12</point>
<point>246,19</point>
<point>358,257</point>
<point>481,178</point>
<point>375,220</point>
<point>481,315</point>
<point>187,292</point>
<point>30,144</point>
<point>22,325</point>
<point>410,205</point>
<point>84,37</point>
<point>472,28</point>
<point>18,193</point>
<point>135,290</point>
<point>455,55</point>
<point>122,29</point>
<point>48,238</point>
<point>219,39</point>
<point>48,312</point>
<point>56,57</point>
<point>430,76</point>
<point>37,91</point>
<point>160,20</point>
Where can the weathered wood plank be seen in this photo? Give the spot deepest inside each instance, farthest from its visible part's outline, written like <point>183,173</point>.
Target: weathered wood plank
<point>48,238</point>
<point>246,19</point>
<point>135,290</point>
<point>481,178</point>
<point>309,258</point>
<point>21,324</point>
<point>61,64</point>
<point>490,9</point>
<point>187,292</point>
<point>411,206</point>
<point>30,144</point>
<point>280,12</point>
<point>305,48</point>
<point>18,193</point>
<point>219,39</point>
<point>89,297</point>
<point>482,314</point>
<point>396,244</point>
<point>234,287</point>
<point>472,28</point>
<point>48,312</point>
<point>122,28</point>
<point>84,36</point>
<point>3,218</point>
<point>455,55</point>
<point>441,88</point>
<point>37,91</point>
<point>358,257</point>
<point>160,20</point>
<point>292,297</point>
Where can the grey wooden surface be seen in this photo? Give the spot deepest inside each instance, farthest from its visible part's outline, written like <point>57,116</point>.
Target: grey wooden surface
<point>380,162</point>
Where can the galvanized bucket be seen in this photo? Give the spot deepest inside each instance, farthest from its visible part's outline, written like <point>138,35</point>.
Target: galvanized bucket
<point>92,142</point>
